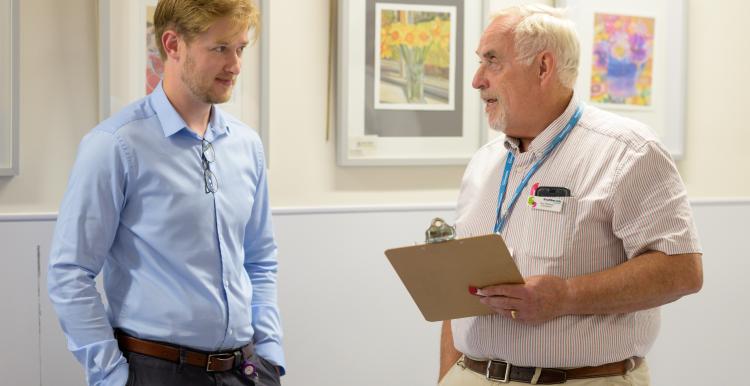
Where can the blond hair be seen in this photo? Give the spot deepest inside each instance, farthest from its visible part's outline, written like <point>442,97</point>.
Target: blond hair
<point>189,18</point>
<point>544,28</point>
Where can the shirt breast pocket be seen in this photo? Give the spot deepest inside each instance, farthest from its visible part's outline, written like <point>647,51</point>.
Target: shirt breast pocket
<point>547,232</point>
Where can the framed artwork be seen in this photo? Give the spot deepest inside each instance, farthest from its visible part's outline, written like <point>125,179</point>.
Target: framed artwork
<point>130,65</point>
<point>9,87</point>
<point>633,61</point>
<point>404,76</point>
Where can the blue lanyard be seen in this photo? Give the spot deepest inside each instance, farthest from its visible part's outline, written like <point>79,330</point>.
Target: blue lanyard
<point>500,218</point>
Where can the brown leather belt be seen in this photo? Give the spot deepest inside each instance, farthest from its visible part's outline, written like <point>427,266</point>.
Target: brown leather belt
<point>500,371</point>
<point>218,361</point>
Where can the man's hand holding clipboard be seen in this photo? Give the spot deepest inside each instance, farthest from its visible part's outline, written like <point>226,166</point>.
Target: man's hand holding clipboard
<point>528,303</point>
<point>438,274</point>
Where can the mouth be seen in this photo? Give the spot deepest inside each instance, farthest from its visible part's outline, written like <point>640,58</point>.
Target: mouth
<point>225,82</point>
<point>490,103</point>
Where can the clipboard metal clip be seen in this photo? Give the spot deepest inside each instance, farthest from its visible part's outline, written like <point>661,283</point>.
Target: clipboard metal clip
<point>439,231</point>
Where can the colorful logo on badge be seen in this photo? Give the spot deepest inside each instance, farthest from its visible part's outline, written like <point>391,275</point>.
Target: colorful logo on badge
<point>531,201</point>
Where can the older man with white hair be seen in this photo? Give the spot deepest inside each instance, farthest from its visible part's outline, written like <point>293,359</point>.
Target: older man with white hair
<point>591,205</point>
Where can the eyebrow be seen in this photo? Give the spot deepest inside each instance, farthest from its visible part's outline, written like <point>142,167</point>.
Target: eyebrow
<point>487,54</point>
<point>225,42</point>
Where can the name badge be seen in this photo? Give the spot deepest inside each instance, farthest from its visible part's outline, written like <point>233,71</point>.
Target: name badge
<point>550,204</point>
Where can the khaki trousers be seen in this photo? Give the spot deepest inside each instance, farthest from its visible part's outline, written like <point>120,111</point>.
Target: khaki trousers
<point>460,376</point>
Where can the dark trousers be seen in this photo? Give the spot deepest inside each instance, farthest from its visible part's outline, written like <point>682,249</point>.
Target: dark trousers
<point>150,371</point>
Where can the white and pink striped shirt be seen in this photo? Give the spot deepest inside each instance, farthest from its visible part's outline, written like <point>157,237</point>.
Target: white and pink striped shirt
<point>627,198</point>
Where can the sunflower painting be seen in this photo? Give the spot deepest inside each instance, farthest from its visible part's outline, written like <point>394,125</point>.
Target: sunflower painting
<point>415,57</point>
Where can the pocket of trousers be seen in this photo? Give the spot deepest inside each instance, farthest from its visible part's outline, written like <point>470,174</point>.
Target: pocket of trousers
<point>269,372</point>
<point>454,373</point>
<point>131,377</point>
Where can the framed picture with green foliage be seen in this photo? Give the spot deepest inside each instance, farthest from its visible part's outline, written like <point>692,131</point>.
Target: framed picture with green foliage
<point>404,82</point>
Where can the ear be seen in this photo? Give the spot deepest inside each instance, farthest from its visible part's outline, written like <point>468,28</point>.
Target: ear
<point>171,43</point>
<point>547,64</point>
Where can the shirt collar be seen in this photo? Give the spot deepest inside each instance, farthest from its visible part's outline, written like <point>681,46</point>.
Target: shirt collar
<point>171,121</point>
<point>218,125</point>
<point>540,143</point>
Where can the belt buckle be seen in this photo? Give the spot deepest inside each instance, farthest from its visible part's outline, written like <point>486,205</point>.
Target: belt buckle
<point>505,379</point>
<point>237,356</point>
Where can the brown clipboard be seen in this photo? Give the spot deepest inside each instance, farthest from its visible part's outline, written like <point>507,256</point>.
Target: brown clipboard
<point>438,275</point>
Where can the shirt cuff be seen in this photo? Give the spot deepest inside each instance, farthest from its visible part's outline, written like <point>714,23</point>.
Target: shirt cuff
<point>273,353</point>
<point>118,377</point>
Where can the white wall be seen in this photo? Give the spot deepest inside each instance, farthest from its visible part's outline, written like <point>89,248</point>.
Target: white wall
<point>58,87</point>
<point>58,99</point>
<point>347,318</point>
<point>716,132</point>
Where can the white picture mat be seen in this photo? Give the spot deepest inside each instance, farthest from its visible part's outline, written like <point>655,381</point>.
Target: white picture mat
<point>9,88</point>
<point>351,100</point>
<point>122,53</point>
<point>666,114</point>
<point>379,8</point>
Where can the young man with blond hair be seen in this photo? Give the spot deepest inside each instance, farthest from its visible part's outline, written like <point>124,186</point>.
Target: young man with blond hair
<point>169,199</point>
<point>591,205</point>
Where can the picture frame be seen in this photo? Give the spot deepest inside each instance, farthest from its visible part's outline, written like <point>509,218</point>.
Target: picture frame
<point>633,61</point>
<point>9,65</point>
<point>128,58</point>
<point>403,102</point>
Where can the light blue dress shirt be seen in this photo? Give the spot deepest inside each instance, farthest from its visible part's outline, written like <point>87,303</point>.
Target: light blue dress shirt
<point>182,266</point>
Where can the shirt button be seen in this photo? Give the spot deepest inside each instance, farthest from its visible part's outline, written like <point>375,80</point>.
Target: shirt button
<point>230,331</point>
<point>226,283</point>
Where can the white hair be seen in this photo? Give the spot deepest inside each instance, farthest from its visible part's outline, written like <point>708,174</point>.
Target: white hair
<point>546,28</point>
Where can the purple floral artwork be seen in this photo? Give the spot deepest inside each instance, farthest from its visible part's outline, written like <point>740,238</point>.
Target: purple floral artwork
<point>622,63</point>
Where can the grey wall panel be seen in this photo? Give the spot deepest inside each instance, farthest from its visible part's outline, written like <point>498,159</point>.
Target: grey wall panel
<point>348,319</point>
<point>704,338</point>
<point>59,367</point>
<point>19,310</point>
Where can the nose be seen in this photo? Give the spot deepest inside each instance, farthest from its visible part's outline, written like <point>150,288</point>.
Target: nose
<point>480,81</point>
<point>234,63</point>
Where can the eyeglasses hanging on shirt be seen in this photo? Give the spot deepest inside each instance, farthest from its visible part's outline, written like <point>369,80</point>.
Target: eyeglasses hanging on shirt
<point>208,156</point>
